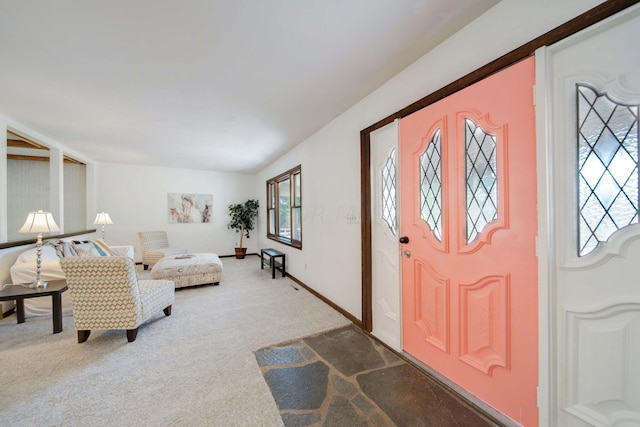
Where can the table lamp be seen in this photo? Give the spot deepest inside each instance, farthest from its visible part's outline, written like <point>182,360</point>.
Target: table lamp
<point>39,222</point>
<point>102,218</point>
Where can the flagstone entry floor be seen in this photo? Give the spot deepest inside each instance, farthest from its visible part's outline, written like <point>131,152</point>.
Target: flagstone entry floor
<point>345,378</point>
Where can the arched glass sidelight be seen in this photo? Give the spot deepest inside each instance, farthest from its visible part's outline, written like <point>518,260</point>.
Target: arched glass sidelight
<point>389,187</point>
<point>607,166</point>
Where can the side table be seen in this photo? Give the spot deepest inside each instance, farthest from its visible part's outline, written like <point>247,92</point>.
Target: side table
<point>54,289</point>
<point>272,254</point>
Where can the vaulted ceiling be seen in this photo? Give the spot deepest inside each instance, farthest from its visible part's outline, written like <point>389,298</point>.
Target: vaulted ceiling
<point>205,84</point>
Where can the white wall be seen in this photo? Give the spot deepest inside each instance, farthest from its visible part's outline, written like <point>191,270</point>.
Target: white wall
<point>330,261</point>
<point>136,199</point>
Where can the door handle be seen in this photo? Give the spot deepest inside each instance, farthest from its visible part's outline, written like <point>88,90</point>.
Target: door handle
<point>407,254</point>
<point>404,240</point>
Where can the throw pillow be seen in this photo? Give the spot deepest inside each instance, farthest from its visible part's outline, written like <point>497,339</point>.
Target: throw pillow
<point>67,249</point>
<point>85,249</point>
<point>91,248</point>
<point>101,246</point>
<point>62,247</point>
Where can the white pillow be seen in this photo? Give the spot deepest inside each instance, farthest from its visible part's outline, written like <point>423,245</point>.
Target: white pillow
<point>91,248</point>
<point>30,255</point>
<point>102,247</point>
<point>85,249</point>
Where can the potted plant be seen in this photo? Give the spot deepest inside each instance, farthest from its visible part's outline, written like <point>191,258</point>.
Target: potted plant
<point>243,216</point>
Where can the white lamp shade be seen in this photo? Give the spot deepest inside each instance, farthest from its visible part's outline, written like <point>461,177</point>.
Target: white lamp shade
<point>102,218</point>
<point>39,222</point>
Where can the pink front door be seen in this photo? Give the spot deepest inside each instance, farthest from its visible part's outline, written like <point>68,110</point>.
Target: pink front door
<point>469,279</point>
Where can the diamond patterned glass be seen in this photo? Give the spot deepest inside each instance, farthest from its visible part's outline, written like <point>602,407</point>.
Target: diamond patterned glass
<point>389,191</point>
<point>607,167</point>
<point>431,186</point>
<point>481,179</point>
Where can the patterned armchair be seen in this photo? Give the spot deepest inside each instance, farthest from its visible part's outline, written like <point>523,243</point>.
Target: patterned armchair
<point>106,294</point>
<point>155,245</point>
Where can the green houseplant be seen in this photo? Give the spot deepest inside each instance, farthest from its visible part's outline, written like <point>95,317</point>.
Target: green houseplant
<point>243,217</point>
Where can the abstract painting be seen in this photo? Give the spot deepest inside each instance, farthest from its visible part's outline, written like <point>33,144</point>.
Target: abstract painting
<point>189,208</point>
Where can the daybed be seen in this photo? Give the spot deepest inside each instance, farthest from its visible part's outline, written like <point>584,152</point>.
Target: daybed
<point>189,269</point>
<point>24,269</point>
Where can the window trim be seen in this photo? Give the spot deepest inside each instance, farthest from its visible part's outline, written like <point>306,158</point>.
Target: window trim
<point>273,208</point>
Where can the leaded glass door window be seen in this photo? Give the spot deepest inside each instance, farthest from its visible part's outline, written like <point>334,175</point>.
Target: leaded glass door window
<point>607,166</point>
<point>481,164</point>
<point>431,186</point>
<point>389,187</point>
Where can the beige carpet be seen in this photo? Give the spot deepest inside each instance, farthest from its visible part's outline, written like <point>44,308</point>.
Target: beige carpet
<point>195,367</point>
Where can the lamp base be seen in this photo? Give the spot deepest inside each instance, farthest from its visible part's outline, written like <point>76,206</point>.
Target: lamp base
<point>38,284</point>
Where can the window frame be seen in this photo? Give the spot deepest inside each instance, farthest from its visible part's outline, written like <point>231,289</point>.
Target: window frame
<point>273,206</point>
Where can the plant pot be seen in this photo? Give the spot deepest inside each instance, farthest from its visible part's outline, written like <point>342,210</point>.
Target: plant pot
<point>240,253</point>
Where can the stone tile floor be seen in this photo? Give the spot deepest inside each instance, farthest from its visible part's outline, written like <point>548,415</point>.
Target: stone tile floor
<point>345,378</point>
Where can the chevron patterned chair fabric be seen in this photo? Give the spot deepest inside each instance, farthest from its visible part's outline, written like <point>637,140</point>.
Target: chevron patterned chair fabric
<point>155,245</point>
<point>106,294</point>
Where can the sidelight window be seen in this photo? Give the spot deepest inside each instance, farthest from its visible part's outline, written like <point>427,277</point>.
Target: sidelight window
<point>607,166</point>
<point>389,186</point>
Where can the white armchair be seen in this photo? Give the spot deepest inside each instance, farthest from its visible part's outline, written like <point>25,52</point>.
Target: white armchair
<point>107,294</point>
<point>155,245</point>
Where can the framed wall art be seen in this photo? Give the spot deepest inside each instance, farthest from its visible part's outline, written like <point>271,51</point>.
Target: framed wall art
<point>189,208</point>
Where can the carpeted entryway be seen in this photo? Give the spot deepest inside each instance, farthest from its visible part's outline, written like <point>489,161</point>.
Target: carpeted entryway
<point>345,378</point>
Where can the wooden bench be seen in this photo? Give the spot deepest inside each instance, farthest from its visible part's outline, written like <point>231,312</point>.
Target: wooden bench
<point>272,254</point>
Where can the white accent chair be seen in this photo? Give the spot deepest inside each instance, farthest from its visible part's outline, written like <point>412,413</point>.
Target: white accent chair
<point>106,294</point>
<point>155,245</point>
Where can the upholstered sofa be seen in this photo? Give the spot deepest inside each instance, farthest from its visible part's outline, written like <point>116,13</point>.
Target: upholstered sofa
<point>24,269</point>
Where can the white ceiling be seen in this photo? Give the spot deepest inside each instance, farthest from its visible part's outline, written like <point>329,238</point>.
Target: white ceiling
<point>225,85</point>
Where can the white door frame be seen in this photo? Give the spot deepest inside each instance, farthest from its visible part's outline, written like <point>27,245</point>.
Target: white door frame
<point>386,284</point>
<point>545,248</point>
